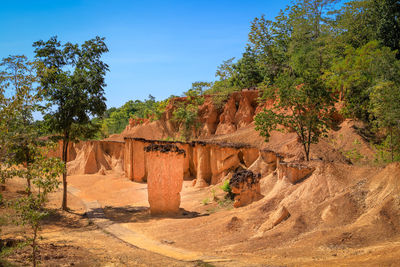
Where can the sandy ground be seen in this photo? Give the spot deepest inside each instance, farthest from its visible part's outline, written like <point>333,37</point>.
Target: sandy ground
<point>206,225</point>
<point>70,239</point>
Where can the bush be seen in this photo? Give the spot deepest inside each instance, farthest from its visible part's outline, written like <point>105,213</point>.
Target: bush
<point>227,188</point>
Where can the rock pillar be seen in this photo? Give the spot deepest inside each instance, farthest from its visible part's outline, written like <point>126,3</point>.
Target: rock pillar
<point>128,159</point>
<point>203,177</point>
<point>165,169</point>
<point>245,185</point>
<point>139,160</point>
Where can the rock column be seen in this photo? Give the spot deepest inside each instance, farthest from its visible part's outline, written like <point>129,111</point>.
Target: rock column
<point>128,159</point>
<point>245,186</point>
<point>165,170</point>
<point>139,160</point>
<point>203,177</point>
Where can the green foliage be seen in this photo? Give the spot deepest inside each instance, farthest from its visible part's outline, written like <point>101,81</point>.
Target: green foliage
<point>205,201</point>
<point>198,88</point>
<point>385,106</point>
<point>30,209</point>
<point>185,112</point>
<point>355,76</point>
<point>247,73</point>
<point>354,154</point>
<point>186,116</point>
<point>222,204</point>
<point>73,81</point>
<point>302,102</point>
<point>114,120</point>
<point>225,186</point>
<point>17,78</point>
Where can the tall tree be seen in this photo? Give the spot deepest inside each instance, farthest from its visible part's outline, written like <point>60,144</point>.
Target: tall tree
<point>385,106</point>
<point>19,80</point>
<point>387,22</point>
<point>302,101</point>
<point>73,80</point>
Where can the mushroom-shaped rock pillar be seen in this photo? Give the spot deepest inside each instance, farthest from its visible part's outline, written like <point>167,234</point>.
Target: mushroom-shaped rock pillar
<point>165,170</point>
<point>245,186</point>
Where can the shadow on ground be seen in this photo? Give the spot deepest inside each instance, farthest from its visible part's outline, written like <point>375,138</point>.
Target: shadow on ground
<point>60,218</point>
<point>131,214</point>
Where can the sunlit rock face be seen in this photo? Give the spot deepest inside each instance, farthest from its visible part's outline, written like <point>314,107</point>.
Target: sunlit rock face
<point>139,160</point>
<point>203,166</point>
<point>238,111</point>
<point>223,160</point>
<point>294,172</point>
<point>227,118</point>
<point>209,118</point>
<point>164,177</point>
<point>89,157</point>
<point>266,162</point>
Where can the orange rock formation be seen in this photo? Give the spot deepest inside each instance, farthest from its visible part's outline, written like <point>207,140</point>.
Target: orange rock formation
<point>165,177</point>
<point>294,172</point>
<point>245,185</point>
<point>92,156</point>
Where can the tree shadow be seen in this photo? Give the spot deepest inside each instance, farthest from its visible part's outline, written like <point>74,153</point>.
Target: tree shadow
<point>127,214</point>
<point>61,218</point>
<point>132,214</point>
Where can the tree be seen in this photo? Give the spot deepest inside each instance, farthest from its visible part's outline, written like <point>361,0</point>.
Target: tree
<point>247,74</point>
<point>300,108</point>
<point>385,106</point>
<point>363,21</point>
<point>225,71</point>
<point>268,43</point>
<point>302,101</point>
<point>200,87</point>
<point>19,79</point>
<point>73,80</point>
<point>185,113</point>
<point>387,23</point>
<point>356,74</point>
<point>356,23</point>
<point>20,144</point>
<point>30,209</point>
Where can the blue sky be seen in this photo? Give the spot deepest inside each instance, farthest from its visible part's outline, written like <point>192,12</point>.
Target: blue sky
<point>156,47</point>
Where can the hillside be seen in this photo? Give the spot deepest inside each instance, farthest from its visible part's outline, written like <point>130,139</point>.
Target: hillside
<point>344,211</point>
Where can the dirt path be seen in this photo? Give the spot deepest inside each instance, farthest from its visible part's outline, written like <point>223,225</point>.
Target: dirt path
<point>71,239</point>
<point>207,229</point>
<point>96,214</point>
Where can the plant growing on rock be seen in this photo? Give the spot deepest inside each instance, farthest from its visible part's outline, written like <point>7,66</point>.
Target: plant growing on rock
<point>186,112</point>
<point>227,188</point>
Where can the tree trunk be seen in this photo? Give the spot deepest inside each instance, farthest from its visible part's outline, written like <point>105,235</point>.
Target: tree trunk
<point>306,151</point>
<point>64,159</point>
<point>34,245</point>
<point>28,179</point>
<point>28,183</point>
<point>391,143</point>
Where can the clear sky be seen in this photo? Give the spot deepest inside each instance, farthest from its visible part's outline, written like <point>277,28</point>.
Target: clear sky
<point>156,47</point>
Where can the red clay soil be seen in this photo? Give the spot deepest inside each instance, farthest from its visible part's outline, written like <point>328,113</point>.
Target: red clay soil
<point>340,214</point>
<point>70,239</point>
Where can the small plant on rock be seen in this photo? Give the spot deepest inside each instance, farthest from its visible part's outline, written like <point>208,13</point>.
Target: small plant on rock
<point>205,201</point>
<point>227,188</point>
